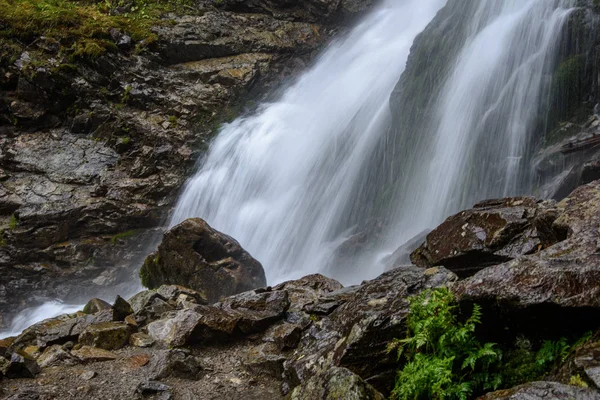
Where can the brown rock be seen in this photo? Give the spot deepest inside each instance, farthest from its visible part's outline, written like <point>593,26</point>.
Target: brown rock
<point>93,354</point>
<point>107,336</point>
<point>197,256</point>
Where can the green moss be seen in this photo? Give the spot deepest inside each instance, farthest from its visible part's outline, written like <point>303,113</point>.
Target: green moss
<point>576,380</point>
<point>2,240</point>
<point>125,140</point>
<point>123,235</point>
<point>14,222</point>
<point>81,28</point>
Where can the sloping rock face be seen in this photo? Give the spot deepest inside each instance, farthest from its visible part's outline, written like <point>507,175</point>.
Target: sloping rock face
<point>197,256</point>
<point>93,151</point>
<point>493,232</point>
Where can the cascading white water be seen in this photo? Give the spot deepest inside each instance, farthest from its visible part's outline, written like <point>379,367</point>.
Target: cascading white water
<point>278,181</point>
<point>282,180</point>
<point>476,144</point>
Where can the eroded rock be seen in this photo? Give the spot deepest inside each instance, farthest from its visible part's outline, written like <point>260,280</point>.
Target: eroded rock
<point>543,391</point>
<point>336,383</point>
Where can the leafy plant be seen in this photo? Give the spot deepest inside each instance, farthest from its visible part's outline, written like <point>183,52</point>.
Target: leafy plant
<point>14,222</point>
<point>442,357</point>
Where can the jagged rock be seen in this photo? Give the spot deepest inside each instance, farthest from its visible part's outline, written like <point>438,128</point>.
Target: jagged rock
<point>559,285</point>
<point>176,329</point>
<point>61,329</point>
<point>22,365</point>
<point>141,340</point>
<point>285,336</point>
<point>265,359</point>
<point>95,305</point>
<point>175,294</point>
<point>93,354</point>
<point>121,309</point>
<point>256,310</point>
<point>177,363</point>
<point>308,291</point>
<point>55,355</point>
<point>493,232</point>
<point>197,256</point>
<point>4,363</point>
<point>6,344</point>
<point>401,256</point>
<point>107,336</point>
<point>335,383</point>
<point>356,334</point>
<point>543,391</point>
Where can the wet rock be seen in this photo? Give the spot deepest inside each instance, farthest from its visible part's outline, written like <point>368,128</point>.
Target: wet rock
<point>256,310</point>
<point>493,232</point>
<point>121,309</point>
<point>557,286</point>
<point>335,383</point>
<point>107,336</point>
<point>6,344</point>
<point>543,391</point>
<point>56,355</point>
<point>96,305</point>
<point>177,363</point>
<point>285,336</point>
<point>141,340</point>
<point>22,365</point>
<point>175,294</point>
<point>356,334</point>
<point>401,256</point>
<point>265,359</point>
<point>197,256</point>
<point>93,354</point>
<point>308,290</point>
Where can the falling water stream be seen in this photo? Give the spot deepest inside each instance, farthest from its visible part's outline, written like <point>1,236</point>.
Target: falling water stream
<point>281,181</point>
<point>292,181</point>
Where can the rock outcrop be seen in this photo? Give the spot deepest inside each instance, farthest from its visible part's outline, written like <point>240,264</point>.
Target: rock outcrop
<point>197,256</point>
<point>94,150</point>
<point>491,233</point>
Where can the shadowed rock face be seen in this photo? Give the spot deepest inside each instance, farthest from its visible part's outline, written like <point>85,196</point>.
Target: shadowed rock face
<point>543,391</point>
<point>201,258</point>
<point>491,233</point>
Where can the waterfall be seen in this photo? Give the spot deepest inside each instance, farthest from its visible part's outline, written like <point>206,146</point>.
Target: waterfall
<point>292,181</point>
<point>279,180</point>
<point>477,138</point>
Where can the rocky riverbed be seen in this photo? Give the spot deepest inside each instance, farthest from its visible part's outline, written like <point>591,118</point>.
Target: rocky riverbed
<point>532,265</point>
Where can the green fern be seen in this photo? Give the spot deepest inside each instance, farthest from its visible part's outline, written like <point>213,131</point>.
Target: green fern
<point>442,357</point>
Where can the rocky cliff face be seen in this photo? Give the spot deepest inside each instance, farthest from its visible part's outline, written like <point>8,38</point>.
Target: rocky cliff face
<point>93,150</point>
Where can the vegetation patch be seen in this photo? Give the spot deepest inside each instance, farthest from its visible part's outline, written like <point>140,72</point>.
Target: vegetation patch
<point>123,235</point>
<point>442,358</point>
<point>77,27</point>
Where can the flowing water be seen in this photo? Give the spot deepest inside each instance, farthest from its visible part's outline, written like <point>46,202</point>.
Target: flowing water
<point>289,182</point>
<point>293,180</point>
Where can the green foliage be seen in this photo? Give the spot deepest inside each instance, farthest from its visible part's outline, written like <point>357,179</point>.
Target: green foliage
<point>14,222</point>
<point>576,380</point>
<point>123,235</point>
<point>81,28</point>
<point>443,358</point>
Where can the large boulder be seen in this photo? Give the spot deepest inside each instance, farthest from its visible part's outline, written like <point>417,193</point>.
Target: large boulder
<point>197,256</point>
<point>559,285</point>
<point>493,232</point>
